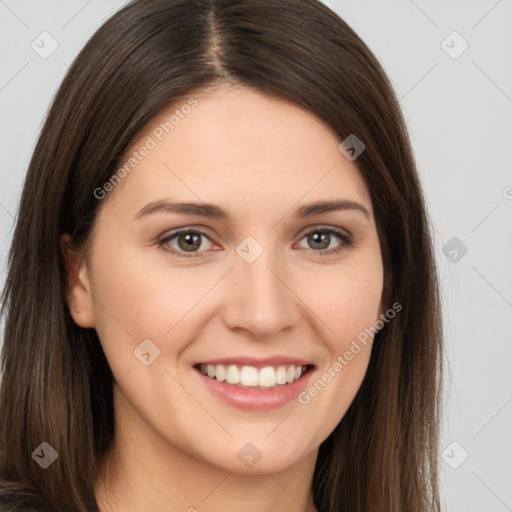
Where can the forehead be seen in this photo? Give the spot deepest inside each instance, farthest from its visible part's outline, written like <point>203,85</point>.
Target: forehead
<point>239,147</point>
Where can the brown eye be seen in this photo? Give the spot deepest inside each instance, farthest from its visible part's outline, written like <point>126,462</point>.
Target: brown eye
<point>323,240</point>
<point>319,240</point>
<point>189,242</point>
<point>186,243</point>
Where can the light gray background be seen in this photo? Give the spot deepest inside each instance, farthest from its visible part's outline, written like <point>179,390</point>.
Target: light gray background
<point>459,112</point>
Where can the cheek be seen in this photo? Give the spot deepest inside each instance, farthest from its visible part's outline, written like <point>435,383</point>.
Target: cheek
<point>348,304</point>
<point>348,301</point>
<point>138,298</point>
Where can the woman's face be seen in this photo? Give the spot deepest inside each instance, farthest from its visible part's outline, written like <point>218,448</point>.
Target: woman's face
<point>263,283</point>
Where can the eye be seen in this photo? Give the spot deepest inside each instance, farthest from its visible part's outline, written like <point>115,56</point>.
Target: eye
<point>323,240</point>
<point>185,243</point>
<point>189,243</point>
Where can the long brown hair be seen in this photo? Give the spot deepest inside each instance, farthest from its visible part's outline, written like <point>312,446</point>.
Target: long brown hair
<point>56,383</point>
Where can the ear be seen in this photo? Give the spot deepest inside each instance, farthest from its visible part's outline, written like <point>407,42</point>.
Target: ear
<point>78,289</point>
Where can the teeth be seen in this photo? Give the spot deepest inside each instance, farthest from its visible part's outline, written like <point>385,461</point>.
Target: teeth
<point>220,373</point>
<point>249,376</point>
<point>281,375</point>
<point>232,375</point>
<point>267,377</point>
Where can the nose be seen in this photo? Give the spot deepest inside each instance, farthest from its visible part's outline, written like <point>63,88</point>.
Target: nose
<point>259,298</point>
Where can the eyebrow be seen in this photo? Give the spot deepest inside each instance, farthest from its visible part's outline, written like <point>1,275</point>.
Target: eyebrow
<point>212,211</point>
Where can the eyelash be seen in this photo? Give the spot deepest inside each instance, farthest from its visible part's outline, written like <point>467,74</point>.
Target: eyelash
<point>346,241</point>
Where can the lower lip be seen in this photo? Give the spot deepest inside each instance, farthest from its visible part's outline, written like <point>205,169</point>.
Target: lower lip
<point>256,399</point>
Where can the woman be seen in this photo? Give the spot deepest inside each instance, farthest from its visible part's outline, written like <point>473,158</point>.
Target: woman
<point>221,292</point>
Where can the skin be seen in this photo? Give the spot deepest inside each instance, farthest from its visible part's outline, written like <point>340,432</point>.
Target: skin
<point>260,158</point>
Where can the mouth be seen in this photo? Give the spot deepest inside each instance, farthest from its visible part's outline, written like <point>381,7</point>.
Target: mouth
<point>255,384</point>
<point>256,377</point>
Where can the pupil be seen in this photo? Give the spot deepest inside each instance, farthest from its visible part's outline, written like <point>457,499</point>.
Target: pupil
<point>321,238</point>
<point>191,242</point>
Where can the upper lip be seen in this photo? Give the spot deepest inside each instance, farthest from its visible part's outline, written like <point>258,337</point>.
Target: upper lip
<point>257,362</point>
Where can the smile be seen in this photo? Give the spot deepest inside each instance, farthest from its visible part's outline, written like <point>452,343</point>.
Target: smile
<point>255,384</point>
<point>267,377</point>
